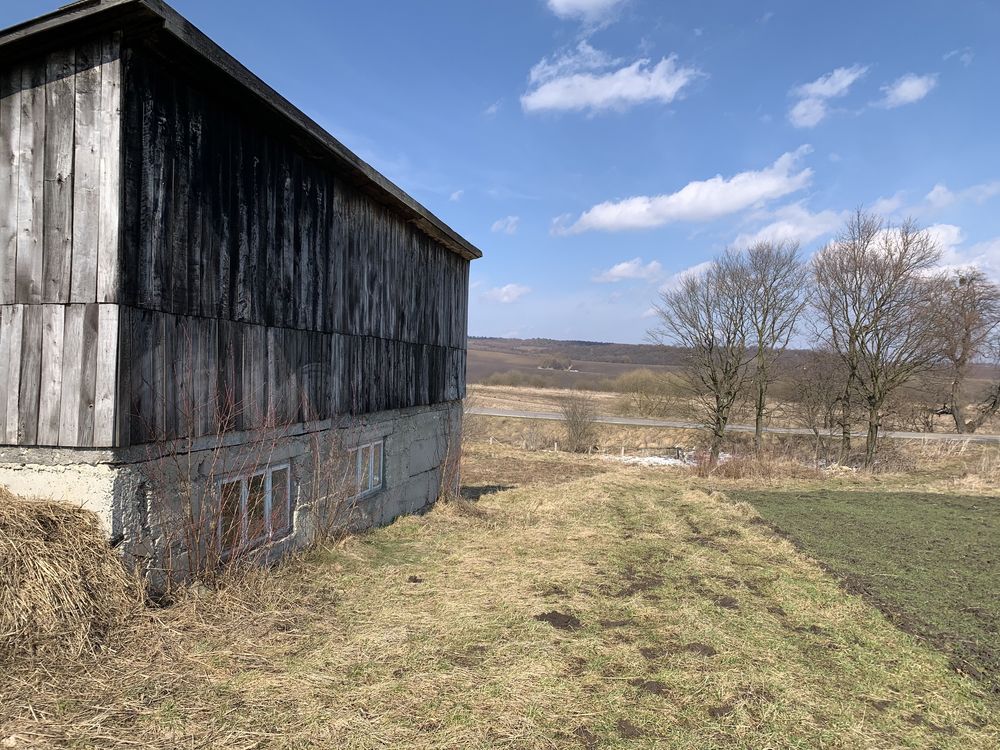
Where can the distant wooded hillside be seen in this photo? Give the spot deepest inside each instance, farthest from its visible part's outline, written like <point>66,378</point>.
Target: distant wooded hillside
<point>581,351</point>
<point>592,363</point>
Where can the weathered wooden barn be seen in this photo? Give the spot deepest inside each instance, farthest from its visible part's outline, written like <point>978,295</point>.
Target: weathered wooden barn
<point>205,298</point>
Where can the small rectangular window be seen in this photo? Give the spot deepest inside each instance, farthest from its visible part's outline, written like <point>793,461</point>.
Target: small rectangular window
<point>256,512</point>
<point>368,461</point>
<point>352,473</point>
<point>281,505</point>
<point>365,469</point>
<point>377,465</point>
<point>255,508</point>
<point>230,513</point>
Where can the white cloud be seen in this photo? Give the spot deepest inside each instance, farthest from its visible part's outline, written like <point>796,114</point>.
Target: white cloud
<point>697,201</point>
<point>941,196</point>
<point>947,237</point>
<point>832,85</point>
<point>585,10</point>
<point>983,255</point>
<point>966,55</point>
<point>808,113</point>
<point>456,196</point>
<point>676,279</point>
<point>794,223</point>
<point>811,108</point>
<point>507,225</point>
<point>885,206</point>
<point>650,312</point>
<point>579,59</point>
<point>981,193</point>
<point>506,294</point>
<point>907,90</point>
<point>491,111</point>
<point>585,78</point>
<point>986,255</point>
<point>630,269</point>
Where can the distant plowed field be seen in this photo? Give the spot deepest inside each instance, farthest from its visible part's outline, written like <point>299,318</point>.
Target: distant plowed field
<point>483,364</point>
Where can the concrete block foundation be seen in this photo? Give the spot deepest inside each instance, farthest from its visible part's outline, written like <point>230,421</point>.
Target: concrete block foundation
<point>159,503</point>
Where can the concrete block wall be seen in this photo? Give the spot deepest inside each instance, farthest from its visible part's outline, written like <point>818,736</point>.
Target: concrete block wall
<point>148,497</point>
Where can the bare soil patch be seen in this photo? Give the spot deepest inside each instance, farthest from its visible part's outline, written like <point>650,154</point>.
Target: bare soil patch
<point>560,620</point>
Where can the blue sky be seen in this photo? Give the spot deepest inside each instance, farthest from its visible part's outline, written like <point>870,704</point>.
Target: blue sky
<point>594,149</point>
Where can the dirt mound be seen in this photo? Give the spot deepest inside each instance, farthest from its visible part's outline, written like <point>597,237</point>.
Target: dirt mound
<point>62,589</point>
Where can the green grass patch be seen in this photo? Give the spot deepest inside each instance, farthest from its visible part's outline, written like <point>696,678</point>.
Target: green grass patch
<point>931,562</point>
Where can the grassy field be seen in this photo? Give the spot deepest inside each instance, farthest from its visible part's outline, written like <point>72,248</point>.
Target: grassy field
<point>930,561</point>
<point>587,606</point>
<point>484,364</point>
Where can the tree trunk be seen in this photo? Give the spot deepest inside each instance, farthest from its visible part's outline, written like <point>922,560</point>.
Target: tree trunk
<point>871,442</point>
<point>758,432</point>
<point>987,410</point>
<point>845,423</point>
<point>718,435</point>
<point>715,448</point>
<point>957,407</point>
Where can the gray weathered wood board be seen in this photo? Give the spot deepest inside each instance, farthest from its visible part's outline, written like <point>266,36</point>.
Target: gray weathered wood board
<point>60,175</point>
<point>58,374</point>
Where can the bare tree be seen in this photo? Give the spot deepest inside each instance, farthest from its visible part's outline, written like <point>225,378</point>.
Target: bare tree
<point>580,419</point>
<point>776,279</point>
<point>840,315</point>
<point>970,322</point>
<point>877,301</point>
<point>708,316</point>
<point>990,404</point>
<point>817,387</point>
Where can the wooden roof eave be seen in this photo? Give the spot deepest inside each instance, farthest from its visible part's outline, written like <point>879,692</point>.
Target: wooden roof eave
<point>94,16</point>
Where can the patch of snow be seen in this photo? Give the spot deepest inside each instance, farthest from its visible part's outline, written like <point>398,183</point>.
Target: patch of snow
<point>650,460</point>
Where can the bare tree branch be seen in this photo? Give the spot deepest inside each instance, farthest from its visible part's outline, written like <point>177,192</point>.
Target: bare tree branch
<point>709,317</point>
<point>876,300</point>
<point>970,321</point>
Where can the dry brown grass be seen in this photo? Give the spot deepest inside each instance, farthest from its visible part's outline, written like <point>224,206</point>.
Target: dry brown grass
<point>536,399</point>
<point>62,591</point>
<point>625,609</point>
<point>767,467</point>
<point>537,435</point>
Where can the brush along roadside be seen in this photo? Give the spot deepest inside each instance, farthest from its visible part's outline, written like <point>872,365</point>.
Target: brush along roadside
<point>627,609</point>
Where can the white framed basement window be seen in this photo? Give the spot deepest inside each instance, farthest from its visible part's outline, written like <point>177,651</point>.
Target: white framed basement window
<point>255,508</point>
<point>367,461</point>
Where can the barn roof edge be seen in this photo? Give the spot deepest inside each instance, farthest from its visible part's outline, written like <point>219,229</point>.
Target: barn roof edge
<point>96,15</point>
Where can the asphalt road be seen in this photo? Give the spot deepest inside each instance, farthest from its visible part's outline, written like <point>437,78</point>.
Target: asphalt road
<point>638,422</point>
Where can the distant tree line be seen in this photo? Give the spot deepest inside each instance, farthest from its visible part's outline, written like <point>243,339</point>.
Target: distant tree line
<point>877,309</point>
<point>556,363</point>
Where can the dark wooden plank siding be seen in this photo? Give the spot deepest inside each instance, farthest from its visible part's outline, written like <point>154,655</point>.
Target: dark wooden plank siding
<point>278,238</point>
<point>261,280</point>
<point>189,375</point>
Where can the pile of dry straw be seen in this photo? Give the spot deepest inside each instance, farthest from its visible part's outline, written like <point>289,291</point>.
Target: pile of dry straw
<point>62,589</point>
